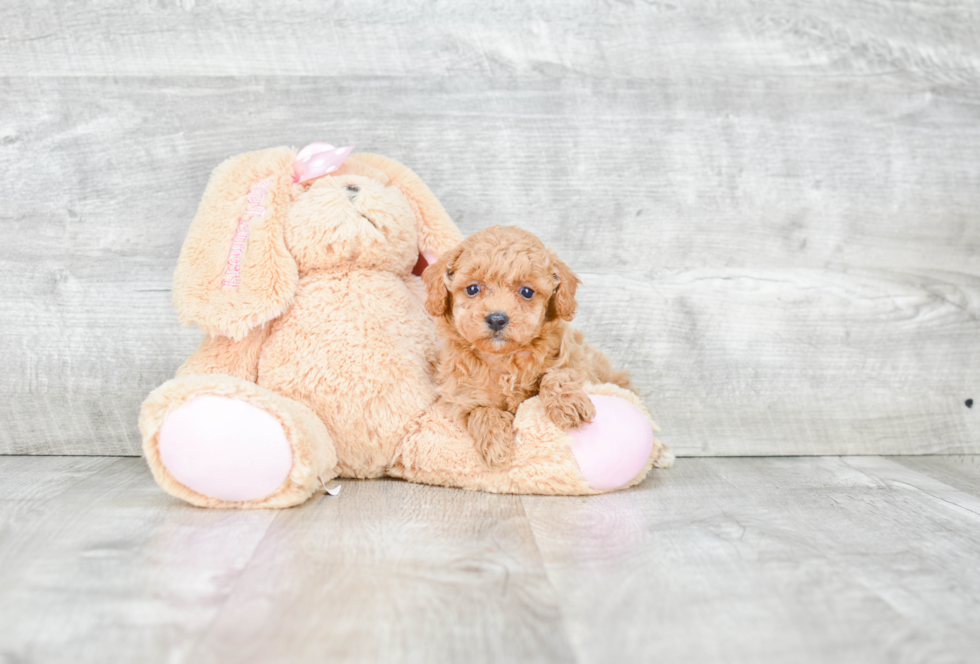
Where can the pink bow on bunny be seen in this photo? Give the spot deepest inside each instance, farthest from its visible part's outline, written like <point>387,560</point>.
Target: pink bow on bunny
<point>318,159</point>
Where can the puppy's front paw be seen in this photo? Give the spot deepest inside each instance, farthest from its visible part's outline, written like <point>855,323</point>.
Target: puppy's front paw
<point>568,406</point>
<point>493,432</point>
<point>495,449</point>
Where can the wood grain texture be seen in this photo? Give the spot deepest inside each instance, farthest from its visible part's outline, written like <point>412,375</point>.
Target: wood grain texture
<point>748,560</point>
<point>825,559</point>
<point>797,361</point>
<point>113,569</point>
<point>957,470</point>
<point>544,40</point>
<point>27,482</point>
<point>773,205</point>
<point>393,572</point>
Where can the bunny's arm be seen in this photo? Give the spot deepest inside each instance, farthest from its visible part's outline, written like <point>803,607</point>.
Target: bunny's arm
<point>221,355</point>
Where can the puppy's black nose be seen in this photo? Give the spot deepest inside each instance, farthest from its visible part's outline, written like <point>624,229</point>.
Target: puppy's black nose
<point>497,320</point>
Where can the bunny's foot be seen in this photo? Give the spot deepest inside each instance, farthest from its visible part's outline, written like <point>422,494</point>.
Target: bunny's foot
<point>617,446</point>
<point>616,450</point>
<point>219,441</point>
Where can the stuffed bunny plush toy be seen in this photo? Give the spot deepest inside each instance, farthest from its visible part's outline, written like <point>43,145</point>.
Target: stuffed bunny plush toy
<point>320,360</point>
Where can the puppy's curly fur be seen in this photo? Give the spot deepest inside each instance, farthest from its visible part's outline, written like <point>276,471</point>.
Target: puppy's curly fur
<point>501,302</point>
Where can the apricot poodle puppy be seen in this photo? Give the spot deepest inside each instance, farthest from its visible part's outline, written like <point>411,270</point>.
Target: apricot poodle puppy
<point>501,302</point>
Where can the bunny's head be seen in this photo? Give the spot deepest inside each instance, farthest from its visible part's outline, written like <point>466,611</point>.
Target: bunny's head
<point>257,232</point>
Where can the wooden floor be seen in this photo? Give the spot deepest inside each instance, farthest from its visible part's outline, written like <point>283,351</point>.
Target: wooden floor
<point>820,559</point>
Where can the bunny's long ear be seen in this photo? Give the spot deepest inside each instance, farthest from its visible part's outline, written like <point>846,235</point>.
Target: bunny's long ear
<point>437,232</point>
<point>234,271</point>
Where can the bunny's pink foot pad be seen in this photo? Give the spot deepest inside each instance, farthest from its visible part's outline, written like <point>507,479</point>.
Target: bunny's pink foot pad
<point>615,447</point>
<point>225,448</point>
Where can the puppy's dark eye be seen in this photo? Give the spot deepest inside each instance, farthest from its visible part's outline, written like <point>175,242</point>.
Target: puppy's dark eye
<point>527,293</point>
<point>472,290</point>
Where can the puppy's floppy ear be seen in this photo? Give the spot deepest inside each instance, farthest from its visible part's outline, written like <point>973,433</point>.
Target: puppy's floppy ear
<point>563,302</point>
<point>439,301</point>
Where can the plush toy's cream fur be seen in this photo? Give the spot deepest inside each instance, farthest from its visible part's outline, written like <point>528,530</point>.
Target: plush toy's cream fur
<point>325,329</point>
<point>502,301</point>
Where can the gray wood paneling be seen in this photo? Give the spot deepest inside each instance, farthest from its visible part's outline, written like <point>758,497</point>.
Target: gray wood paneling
<point>588,38</point>
<point>797,361</point>
<point>826,559</point>
<point>774,205</point>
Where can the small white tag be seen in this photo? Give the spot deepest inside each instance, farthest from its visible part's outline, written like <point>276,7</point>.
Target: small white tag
<point>333,489</point>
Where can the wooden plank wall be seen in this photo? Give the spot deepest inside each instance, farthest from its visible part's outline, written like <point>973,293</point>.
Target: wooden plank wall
<point>773,204</point>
